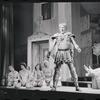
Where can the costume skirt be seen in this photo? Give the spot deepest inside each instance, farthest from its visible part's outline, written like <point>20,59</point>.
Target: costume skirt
<point>63,56</point>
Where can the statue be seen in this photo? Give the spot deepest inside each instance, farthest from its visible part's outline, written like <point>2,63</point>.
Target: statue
<point>38,27</point>
<point>39,23</point>
<point>96,50</point>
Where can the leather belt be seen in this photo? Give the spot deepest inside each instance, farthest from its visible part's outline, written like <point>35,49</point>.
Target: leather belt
<point>63,49</point>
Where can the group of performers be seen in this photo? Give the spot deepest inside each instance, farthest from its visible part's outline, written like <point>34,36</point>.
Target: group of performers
<point>25,78</point>
<point>61,49</point>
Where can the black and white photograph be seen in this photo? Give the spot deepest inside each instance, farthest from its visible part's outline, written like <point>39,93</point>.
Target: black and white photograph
<point>50,51</point>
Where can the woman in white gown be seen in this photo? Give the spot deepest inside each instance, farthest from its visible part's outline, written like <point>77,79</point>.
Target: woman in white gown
<point>95,74</point>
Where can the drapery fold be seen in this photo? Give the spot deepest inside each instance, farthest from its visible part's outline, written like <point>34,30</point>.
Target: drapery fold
<point>7,45</point>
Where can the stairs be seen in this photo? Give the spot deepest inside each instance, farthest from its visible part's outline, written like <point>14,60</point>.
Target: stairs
<point>83,82</point>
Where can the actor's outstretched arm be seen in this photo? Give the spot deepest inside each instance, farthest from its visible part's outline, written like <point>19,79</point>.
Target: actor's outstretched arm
<point>75,45</point>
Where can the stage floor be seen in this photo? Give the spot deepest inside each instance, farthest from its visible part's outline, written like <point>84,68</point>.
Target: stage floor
<point>44,93</point>
<point>65,89</point>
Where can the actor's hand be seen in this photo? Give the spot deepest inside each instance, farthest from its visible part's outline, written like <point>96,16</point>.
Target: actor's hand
<point>79,49</point>
<point>48,55</point>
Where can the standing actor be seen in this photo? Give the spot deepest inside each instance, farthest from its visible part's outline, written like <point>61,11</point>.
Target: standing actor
<point>63,45</point>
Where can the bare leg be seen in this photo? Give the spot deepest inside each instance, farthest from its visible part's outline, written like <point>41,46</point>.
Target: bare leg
<point>40,84</point>
<point>10,84</point>
<point>74,75</point>
<point>34,84</point>
<point>56,76</point>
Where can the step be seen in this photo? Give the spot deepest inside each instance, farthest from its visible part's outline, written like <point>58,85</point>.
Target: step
<point>81,83</point>
<point>86,78</point>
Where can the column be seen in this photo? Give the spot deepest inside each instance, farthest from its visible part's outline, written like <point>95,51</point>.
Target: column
<point>76,30</point>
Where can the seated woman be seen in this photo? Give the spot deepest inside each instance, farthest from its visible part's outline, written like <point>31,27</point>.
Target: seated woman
<point>95,74</point>
<point>25,75</point>
<point>13,77</point>
<point>38,77</point>
<point>48,73</point>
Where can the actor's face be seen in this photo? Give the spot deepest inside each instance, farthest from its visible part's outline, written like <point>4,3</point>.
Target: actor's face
<point>22,67</point>
<point>11,68</point>
<point>38,67</point>
<point>62,29</point>
<point>45,64</point>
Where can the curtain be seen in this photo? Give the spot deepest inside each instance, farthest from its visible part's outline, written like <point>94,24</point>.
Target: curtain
<point>7,45</point>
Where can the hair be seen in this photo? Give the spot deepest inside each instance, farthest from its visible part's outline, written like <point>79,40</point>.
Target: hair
<point>63,24</point>
<point>39,66</point>
<point>23,63</point>
<point>28,68</point>
<point>11,66</point>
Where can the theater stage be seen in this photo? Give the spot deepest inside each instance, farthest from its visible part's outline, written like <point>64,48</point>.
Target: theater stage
<point>44,93</point>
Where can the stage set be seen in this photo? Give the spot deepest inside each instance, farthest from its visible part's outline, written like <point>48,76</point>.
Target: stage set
<point>44,93</point>
<point>46,18</point>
